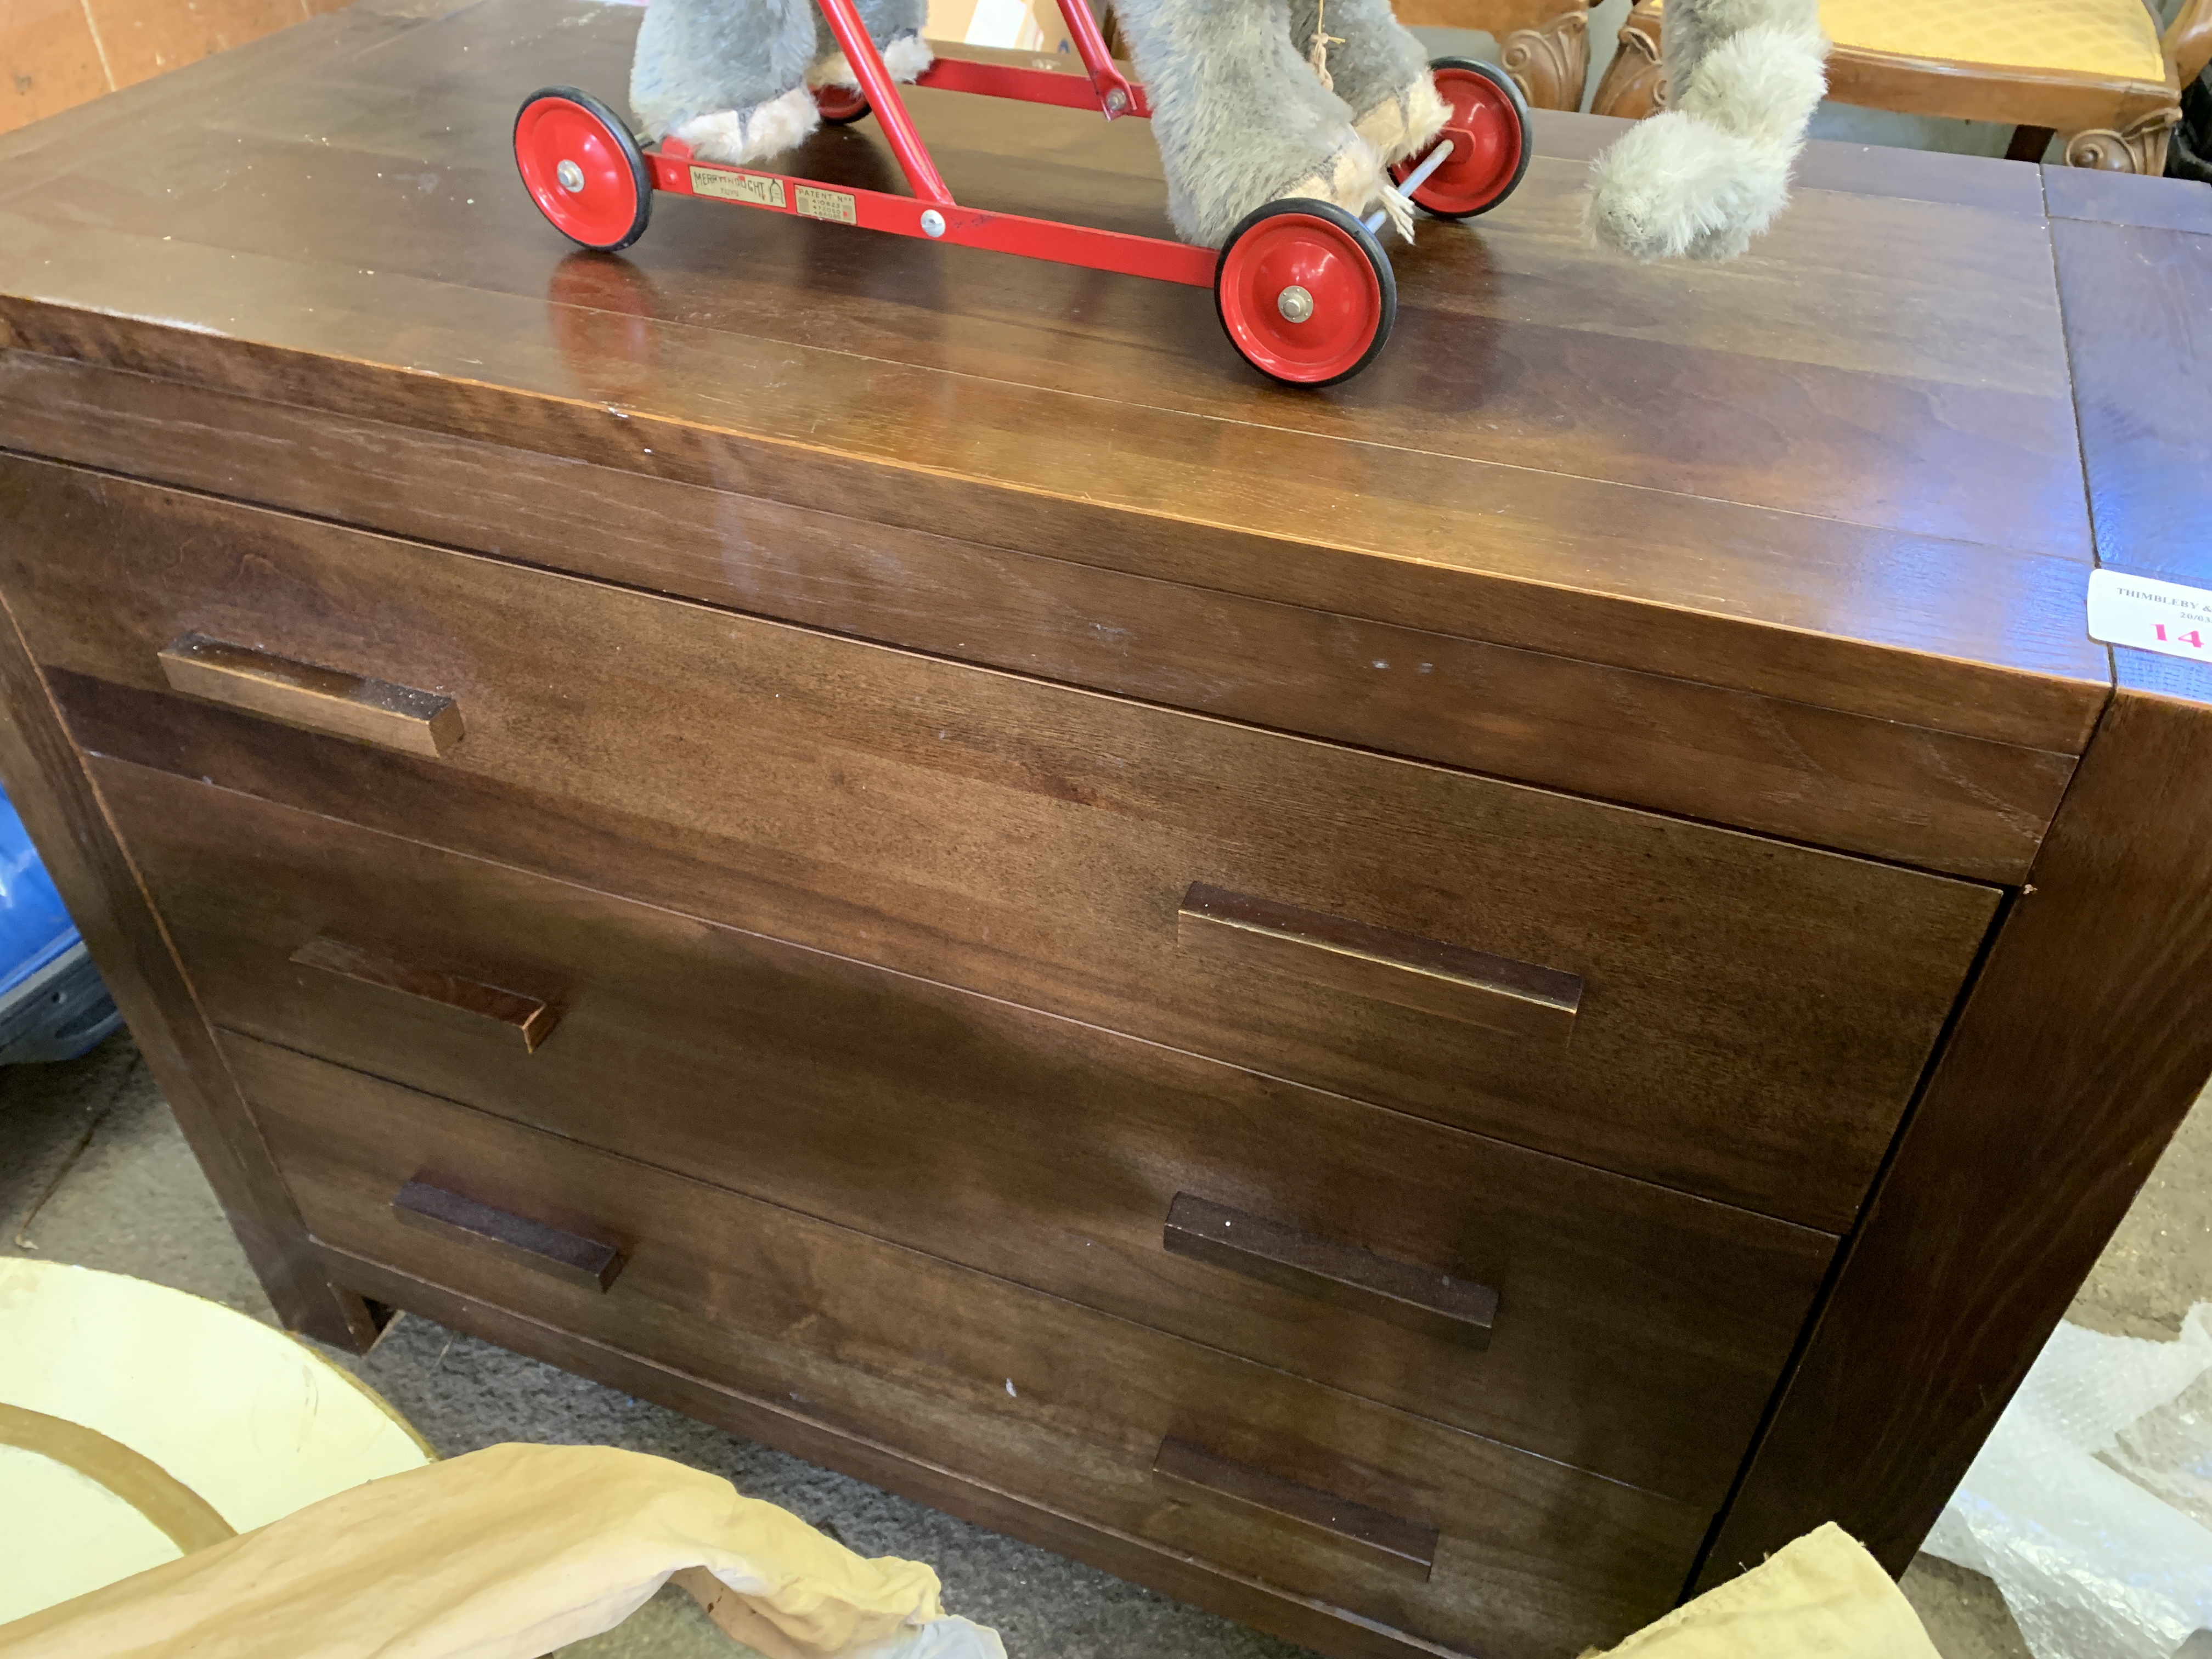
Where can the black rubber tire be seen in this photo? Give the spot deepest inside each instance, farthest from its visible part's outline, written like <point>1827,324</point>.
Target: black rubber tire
<point>640,170</point>
<point>1376,258</point>
<point>1504,82</point>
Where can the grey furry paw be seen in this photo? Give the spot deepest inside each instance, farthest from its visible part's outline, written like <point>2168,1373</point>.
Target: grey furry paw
<point>1675,187</point>
<point>737,137</point>
<point>1700,180</point>
<point>908,58</point>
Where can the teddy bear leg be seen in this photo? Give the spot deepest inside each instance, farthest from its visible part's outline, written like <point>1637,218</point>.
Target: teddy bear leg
<point>1702,177</point>
<point>1376,66</point>
<point>1239,118</point>
<point>896,28</point>
<point>727,77</point>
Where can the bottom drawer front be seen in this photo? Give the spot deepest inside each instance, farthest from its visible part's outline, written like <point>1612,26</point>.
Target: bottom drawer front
<point>1005,1385</point>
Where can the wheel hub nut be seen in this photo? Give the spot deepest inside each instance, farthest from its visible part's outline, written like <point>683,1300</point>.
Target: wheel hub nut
<point>1295,303</point>
<point>570,175</point>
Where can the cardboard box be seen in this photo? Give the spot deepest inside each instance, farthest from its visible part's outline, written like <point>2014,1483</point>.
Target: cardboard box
<point>1010,25</point>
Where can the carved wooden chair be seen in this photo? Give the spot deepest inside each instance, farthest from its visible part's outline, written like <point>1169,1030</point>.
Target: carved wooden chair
<point>1544,45</point>
<point>2095,71</point>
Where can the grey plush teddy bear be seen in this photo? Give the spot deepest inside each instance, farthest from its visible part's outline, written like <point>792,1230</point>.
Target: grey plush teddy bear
<point>731,77</point>
<point>1243,118</point>
<point>1241,115</point>
<point>1254,101</point>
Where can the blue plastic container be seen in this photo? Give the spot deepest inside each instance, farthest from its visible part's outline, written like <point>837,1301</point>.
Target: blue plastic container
<point>52,1006</point>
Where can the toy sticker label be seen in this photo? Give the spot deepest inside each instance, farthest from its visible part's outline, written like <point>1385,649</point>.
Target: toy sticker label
<point>737,187</point>
<point>2151,615</point>
<point>827,204</point>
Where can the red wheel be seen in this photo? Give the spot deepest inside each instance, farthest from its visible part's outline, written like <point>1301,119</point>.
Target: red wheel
<point>1305,292</point>
<point>583,168</point>
<point>1488,126</point>
<point>841,106</point>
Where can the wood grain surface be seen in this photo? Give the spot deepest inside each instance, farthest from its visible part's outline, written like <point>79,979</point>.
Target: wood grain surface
<point>524,1241</point>
<point>2066,99</point>
<point>1256,935</point>
<point>2140,319</point>
<point>1019,1391</point>
<point>866,646</point>
<point>1636,1331</point>
<point>1753,1016</point>
<point>1868,430</point>
<point>311,697</point>
<point>1967,805</point>
<point>530,1018</point>
<point>2124,198</point>
<point>1402,1545</point>
<point>1379,1286</point>
<point>49,789</point>
<point>1282,1610</point>
<point>2089,1032</point>
<point>2085,1040</point>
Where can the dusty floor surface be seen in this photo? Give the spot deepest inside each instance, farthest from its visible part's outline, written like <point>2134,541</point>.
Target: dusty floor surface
<point>94,1170</point>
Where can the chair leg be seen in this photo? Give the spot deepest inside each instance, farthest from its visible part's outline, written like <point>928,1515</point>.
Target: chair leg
<point>2140,148</point>
<point>2028,143</point>
<point>1633,83</point>
<point>1551,62</point>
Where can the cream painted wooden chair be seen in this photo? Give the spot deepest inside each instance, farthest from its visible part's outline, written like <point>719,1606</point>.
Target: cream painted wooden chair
<point>138,1425</point>
<point>2096,72</point>
<point>1544,45</point>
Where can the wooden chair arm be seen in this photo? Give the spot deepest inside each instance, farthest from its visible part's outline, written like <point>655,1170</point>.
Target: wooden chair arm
<point>2188,42</point>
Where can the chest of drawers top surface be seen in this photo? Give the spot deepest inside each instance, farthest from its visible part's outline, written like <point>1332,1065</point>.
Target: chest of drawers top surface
<point>1841,472</point>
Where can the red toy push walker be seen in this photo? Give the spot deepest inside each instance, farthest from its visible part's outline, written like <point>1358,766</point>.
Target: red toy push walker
<point>1303,288</point>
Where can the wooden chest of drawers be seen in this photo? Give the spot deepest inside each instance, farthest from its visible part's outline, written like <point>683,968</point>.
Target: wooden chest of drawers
<point>1429,1015</point>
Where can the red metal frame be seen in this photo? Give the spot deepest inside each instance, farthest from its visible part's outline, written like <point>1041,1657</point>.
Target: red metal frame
<point>1107,90</point>
<point>675,171</point>
<point>1030,86</point>
<point>1117,97</point>
<point>859,49</point>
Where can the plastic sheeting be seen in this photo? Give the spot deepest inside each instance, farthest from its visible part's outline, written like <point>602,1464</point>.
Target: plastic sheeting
<point>2091,1505</point>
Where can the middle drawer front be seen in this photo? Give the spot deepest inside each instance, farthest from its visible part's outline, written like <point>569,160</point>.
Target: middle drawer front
<point>1638,1331</point>
<point>1735,1017</point>
<point>1452,1538</point>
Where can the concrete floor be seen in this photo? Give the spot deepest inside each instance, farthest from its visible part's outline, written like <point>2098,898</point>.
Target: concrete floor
<point>94,1170</point>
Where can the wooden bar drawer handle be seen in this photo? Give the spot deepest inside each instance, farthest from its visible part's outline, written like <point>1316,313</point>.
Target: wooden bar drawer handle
<point>1418,1298</point>
<point>319,699</point>
<point>591,1262</point>
<point>530,1019</point>
<point>1421,973</point>
<point>1407,1545</point>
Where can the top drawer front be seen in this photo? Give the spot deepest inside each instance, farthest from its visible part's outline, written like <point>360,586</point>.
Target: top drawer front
<point>1973,806</point>
<point>1749,1016</point>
